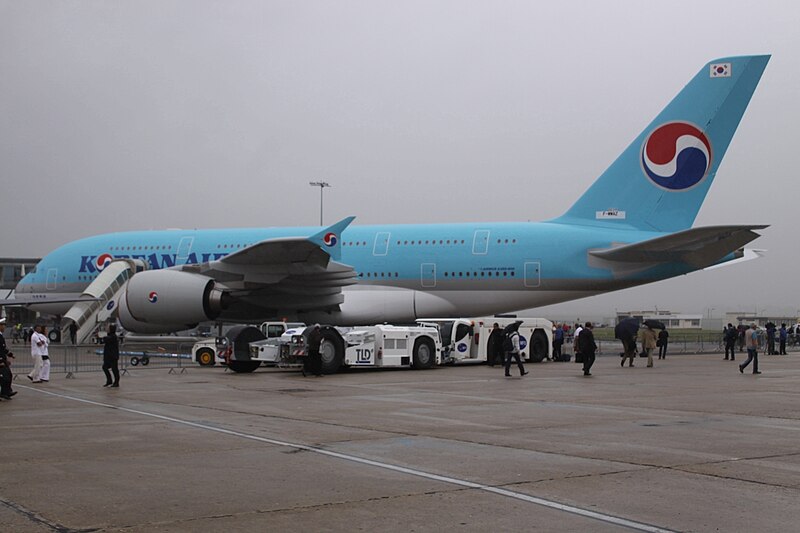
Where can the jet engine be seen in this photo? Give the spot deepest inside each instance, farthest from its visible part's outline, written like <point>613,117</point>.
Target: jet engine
<point>163,301</point>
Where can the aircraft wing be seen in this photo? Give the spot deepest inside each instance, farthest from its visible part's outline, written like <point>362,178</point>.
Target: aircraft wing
<point>698,247</point>
<point>286,272</point>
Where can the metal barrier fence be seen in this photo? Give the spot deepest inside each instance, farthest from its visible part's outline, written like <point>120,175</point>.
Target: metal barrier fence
<point>71,359</point>
<point>686,343</point>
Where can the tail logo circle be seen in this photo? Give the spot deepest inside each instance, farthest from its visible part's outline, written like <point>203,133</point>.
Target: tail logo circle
<point>676,156</point>
<point>152,297</point>
<point>102,261</point>
<point>330,239</point>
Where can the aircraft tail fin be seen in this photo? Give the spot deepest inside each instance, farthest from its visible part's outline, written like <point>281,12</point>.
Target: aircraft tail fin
<point>661,179</point>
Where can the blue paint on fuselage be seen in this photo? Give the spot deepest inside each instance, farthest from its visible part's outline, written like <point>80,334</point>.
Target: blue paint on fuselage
<point>394,252</point>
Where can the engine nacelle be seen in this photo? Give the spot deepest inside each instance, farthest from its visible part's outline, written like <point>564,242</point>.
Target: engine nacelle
<point>162,301</point>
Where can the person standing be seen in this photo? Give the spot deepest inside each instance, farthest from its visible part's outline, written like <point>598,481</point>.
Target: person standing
<point>588,348</point>
<point>6,376</point>
<point>314,358</point>
<point>575,346</point>
<point>770,338</point>
<point>730,336</point>
<point>663,341</point>
<point>751,341</point>
<point>558,341</point>
<point>648,339</point>
<point>494,346</point>
<point>111,356</point>
<point>782,336</point>
<point>73,332</point>
<point>511,346</point>
<point>39,344</point>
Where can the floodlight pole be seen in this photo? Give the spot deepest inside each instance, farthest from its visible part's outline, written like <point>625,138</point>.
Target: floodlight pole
<point>321,185</point>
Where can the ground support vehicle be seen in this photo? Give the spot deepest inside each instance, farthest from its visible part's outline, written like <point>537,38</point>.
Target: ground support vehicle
<point>379,346</point>
<point>465,339</point>
<point>213,350</point>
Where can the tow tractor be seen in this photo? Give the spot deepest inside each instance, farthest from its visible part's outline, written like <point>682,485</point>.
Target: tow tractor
<point>466,339</point>
<point>379,346</point>
<point>212,350</point>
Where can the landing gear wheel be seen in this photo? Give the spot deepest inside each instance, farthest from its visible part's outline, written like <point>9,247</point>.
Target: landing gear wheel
<point>145,361</point>
<point>134,361</point>
<point>424,354</point>
<point>205,356</point>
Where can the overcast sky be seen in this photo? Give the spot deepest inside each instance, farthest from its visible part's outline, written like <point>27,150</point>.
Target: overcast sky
<point>157,114</point>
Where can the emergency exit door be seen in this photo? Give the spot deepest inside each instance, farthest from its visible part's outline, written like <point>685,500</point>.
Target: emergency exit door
<point>533,274</point>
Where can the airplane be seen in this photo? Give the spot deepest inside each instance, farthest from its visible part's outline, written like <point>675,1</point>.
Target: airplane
<point>633,226</point>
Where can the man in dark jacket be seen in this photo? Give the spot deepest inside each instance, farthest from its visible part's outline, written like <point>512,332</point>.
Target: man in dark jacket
<point>731,334</point>
<point>5,365</point>
<point>587,348</point>
<point>111,356</point>
<point>313,363</point>
<point>494,346</point>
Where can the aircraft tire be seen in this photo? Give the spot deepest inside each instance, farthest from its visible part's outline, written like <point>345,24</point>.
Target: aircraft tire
<point>424,355</point>
<point>538,346</point>
<point>145,361</point>
<point>134,361</point>
<point>331,350</point>
<point>205,357</point>
<point>243,367</point>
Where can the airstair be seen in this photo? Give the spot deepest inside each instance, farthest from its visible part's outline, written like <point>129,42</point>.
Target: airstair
<point>98,300</point>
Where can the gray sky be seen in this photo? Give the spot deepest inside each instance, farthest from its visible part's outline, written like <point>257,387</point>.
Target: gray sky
<point>155,114</point>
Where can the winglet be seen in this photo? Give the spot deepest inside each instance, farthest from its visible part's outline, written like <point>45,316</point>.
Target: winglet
<point>330,238</point>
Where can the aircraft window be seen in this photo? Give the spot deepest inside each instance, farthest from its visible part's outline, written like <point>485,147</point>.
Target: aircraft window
<point>360,274</point>
<point>462,241</point>
<point>467,274</point>
<point>506,241</point>
<point>505,274</point>
<point>426,242</point>
<point>445,274</point>
<point>460,274</point>
<point>512,274</point>
<point>513,241</point>
<point>382,275</point>
<point>448,241</point>
<point>440,242</point>
<point>396,275</point>
<point>405,242</point>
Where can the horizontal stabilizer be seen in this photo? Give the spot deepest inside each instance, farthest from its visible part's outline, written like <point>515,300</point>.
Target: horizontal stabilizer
<point>698,247</point>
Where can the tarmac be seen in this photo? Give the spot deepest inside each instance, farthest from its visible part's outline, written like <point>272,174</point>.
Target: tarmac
<point>689,445</point>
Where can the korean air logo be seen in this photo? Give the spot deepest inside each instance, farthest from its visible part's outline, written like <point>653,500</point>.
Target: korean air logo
<point>152,297</point>
<point>330,239</point>
<point>676,156</point>
<point>103,261</point>
<point>110,305</point>
<point>461,347</point>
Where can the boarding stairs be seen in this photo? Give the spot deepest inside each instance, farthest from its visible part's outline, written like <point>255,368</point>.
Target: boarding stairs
<point>98,301</point>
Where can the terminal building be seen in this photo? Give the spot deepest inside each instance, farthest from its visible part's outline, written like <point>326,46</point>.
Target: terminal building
<point>671,319</point>
<point>11,271</point>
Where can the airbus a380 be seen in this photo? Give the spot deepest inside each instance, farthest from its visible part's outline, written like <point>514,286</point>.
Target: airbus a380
<point>631,227</point>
